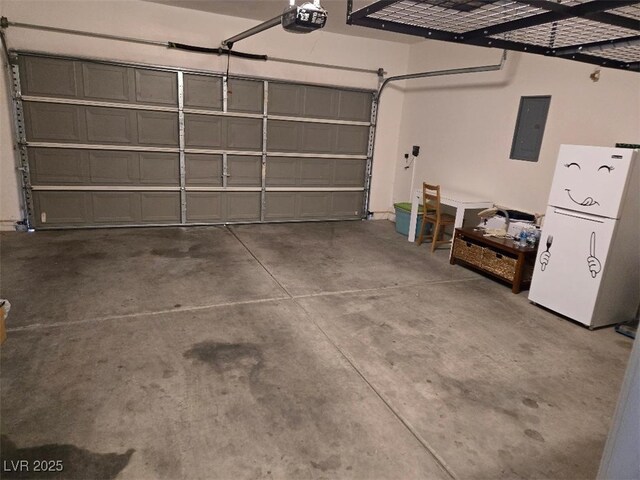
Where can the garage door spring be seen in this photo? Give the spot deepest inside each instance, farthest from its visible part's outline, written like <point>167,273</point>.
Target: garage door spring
<point>217,51</point>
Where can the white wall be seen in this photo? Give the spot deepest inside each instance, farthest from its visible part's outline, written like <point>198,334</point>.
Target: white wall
<point>9,190</point>
<point>465,124</point>
<point>152,21</point>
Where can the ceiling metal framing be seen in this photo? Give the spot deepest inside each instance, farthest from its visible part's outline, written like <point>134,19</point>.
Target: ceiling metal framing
<point>600,32</point>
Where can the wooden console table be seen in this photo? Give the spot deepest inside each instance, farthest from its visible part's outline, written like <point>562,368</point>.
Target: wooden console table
<point>499,257</point>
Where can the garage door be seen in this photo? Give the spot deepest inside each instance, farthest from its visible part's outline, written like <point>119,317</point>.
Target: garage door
<point>106,144</point>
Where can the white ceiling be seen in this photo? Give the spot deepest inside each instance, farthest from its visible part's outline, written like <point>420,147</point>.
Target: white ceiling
<point>261,10</point>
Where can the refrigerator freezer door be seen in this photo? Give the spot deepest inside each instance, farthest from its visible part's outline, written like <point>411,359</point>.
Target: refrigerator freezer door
<point>591,180</point>
<point>570,262</point>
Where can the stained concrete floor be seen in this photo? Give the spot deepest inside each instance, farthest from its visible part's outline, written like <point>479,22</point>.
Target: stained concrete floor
<point>328,350</point>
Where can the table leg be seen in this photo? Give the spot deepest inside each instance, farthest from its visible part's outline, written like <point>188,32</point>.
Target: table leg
<point>458,224</point>
<point>413,221</point>
<point>517,280</point>
<point>452,259</point>
<point>459,216</point>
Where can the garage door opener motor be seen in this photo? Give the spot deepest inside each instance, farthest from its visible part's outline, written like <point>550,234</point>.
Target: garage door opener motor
<point>306,18</point>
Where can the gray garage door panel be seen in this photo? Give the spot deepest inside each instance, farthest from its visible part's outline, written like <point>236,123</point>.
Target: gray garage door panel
<point>203,92</point>
<point>157,128</point>
<point>351,139</point>
<point>205,207</point>
<point>297,205</point>
<point>280,205</point>
<point>115,208</point>
<point>131,127</point>
<point>109,125</point>
<point>313,205</point>
<point>48,76</point>
<point>244,134</point>
<point>219,132</point>
<point>61,209</point>
<point>318,172</point>
<point>285,99</point>
<point>319,102</point>
<point>57,166</point>
<point>317,138</point>
<point>283,136</point>
<point>113,168</point>
<point>346,204</point>
<point>160,207</point>
<point>204,131</point>
<point>244,171</point>
<point>282,171</point>
<point>243,206</point>
<point>62,166</point>
<point>203,170</point>
<point>95,81</point>
<point>46,122</point>
<point>159,168</point>
<point>156,88</point>
<point>354,106</point>
<point>349,173</point>
<point>106,82</point>
<point>289,136</point>
<point>245,96</point>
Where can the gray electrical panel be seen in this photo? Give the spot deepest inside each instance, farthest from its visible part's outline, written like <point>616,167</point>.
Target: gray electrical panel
<point>532,117</point>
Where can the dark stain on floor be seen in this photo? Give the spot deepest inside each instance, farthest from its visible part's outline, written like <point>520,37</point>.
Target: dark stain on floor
<point>95,256</point>
<point>192,251</point>
<point>478,393</point>
<point>534,434</point>
<point>625,343</point>
<point>77,463</point>
<point>530,403</point>
<point>331,463</point>
<point>227,356</point>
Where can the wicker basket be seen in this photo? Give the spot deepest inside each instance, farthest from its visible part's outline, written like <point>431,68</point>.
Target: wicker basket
<point>467,252</point>
<point>499,264</point>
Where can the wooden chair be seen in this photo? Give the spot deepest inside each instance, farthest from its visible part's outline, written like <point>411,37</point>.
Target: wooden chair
<point>431,213</point>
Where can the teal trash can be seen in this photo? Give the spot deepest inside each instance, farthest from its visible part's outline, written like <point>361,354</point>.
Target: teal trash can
<point>403,218</point>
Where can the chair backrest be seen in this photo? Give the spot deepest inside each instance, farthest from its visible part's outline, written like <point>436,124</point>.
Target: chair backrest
<point>431,198</point>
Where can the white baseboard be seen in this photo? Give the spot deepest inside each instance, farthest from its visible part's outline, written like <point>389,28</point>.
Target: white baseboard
<point>8,225</point>
<point>384,216</point>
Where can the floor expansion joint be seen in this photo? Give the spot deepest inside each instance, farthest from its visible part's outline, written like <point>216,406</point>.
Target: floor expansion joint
<point>428,448</point>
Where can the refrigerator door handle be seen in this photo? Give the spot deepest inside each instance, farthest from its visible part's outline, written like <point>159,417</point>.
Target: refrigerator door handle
<point>574,214</point>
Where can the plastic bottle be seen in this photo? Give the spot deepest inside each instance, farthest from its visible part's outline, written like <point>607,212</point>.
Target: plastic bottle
<point>532,237</point>
<point>522,240</point>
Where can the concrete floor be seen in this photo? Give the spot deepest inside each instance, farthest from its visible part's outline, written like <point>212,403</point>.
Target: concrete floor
<point>328,350</point>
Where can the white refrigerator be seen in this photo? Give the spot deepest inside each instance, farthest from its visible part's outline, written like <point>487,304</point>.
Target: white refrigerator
<point>588,262</point>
